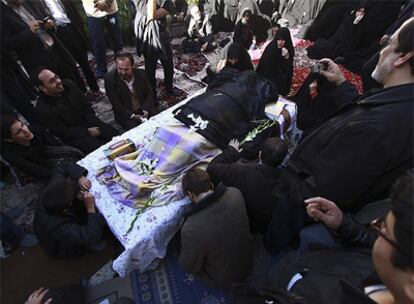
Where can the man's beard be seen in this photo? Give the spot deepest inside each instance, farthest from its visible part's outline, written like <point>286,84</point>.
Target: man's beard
<point>384,68</point>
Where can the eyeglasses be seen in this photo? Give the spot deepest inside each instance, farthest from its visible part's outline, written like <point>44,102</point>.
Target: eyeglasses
<point>376,226</point>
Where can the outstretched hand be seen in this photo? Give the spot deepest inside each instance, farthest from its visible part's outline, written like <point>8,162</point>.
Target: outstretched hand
<point>37,297</point>
<point>235,144</point>
<point>321,209</point>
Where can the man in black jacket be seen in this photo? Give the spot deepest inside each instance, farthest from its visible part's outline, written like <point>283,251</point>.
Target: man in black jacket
<point>66,220</point>
<point>62,109</point>
<point>32,149</point>
<point>355,156</point>
<point>255,181</point>
<point>24,32</point>
<point>129,92</point>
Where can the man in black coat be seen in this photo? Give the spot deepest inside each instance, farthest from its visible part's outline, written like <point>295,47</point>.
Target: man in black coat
<point>66,220</point>
<point>355,156</point>
<point>129,92</point>
<point>62,109</point>
<point>70,29</point>
<point>255,181</point>
<point>23,32</point>
<point>32,149</point>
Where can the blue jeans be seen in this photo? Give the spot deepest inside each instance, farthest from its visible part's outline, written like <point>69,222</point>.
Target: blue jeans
<point>97,29</point>
<point>315,236</point>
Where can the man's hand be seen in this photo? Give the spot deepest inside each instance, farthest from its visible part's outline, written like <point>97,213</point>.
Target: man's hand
<point>48,24</point>
<point>332,73</point>
<point>321,209</point>
<point>35,25</point>
<point>145,114</point>
<point>89,201</point>
<point>385,39</point>
<point>235,144</point>
<point>37,297</point>
<point>84,183</point>
<point>94,131</point>
<point>101,5</point>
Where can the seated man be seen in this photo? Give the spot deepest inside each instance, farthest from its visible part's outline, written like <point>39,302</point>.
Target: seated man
<point>216,244</point>
<point>255,181</point>
<point>347,276</point>
<point>62,109</point>
<point>129,92</point>
<point>355,156</point>
<point>32,149</point>
<point>66,221</point>
<point>200,33</point>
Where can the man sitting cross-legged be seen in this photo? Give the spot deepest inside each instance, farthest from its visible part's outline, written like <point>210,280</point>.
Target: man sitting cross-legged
<point>129,92</point>
<point>62,109</point>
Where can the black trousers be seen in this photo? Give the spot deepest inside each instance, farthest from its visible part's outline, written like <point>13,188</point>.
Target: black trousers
<point>89,144</point>
<point>167,64</point>
<point>72,41</point>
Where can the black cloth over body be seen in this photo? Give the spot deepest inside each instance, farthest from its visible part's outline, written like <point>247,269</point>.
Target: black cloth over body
<point>230,108</point>
<point>356,43</point>
<point>276,68</point>
<point>352,159</point>
<point>66,234</point>
<point>69,118</point>
<point>17,37</point>
<point>255,181</point>
<point>35,159</point>
<point>121,99</point>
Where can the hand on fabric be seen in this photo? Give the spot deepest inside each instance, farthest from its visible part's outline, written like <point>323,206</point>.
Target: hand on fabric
<point>37,297</point>
<point>35,25</point>
<point>385,39</point>
<point>332,73</point>
<point>285,53</point>
<point>234,143</point>
<point>321,209</point>
<point>84,183</point>
<point>89,201</point>
<point>94,131</point>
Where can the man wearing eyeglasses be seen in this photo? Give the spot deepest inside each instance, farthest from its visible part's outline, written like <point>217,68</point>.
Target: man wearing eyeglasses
<point>391,240</point>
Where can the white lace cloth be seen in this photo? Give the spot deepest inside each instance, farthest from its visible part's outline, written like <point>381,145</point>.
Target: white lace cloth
<point>154,228</point>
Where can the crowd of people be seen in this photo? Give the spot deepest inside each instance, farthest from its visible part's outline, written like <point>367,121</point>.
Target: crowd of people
<point>320,199</point>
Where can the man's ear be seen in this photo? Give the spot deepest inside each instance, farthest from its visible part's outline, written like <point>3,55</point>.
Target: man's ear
<point>403,59</point>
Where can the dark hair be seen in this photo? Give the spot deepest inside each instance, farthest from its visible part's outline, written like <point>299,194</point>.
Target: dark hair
<point>402,201</point>
<point>125,55</point>
<point>6,122</point>
<point>406,41</point>
<point>274,151</point>
<point>34,75</point>
<point>247,13</point>
<point>58,195</point>
<point>196,181</point>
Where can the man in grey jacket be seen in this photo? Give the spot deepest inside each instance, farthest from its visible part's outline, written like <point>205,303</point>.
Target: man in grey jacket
<point>216,244</point>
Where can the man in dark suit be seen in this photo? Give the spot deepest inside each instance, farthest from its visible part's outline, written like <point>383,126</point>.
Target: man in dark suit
<point>70,29</point>
<point>22,32</point>
<point>129,92</point>
<point>62,109</point>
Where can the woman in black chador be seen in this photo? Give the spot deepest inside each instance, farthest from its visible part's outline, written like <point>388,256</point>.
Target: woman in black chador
<point>276,63</point>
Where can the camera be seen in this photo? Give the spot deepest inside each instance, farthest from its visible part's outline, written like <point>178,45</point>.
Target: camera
<point>44,21</point>
<point>319,66</point>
